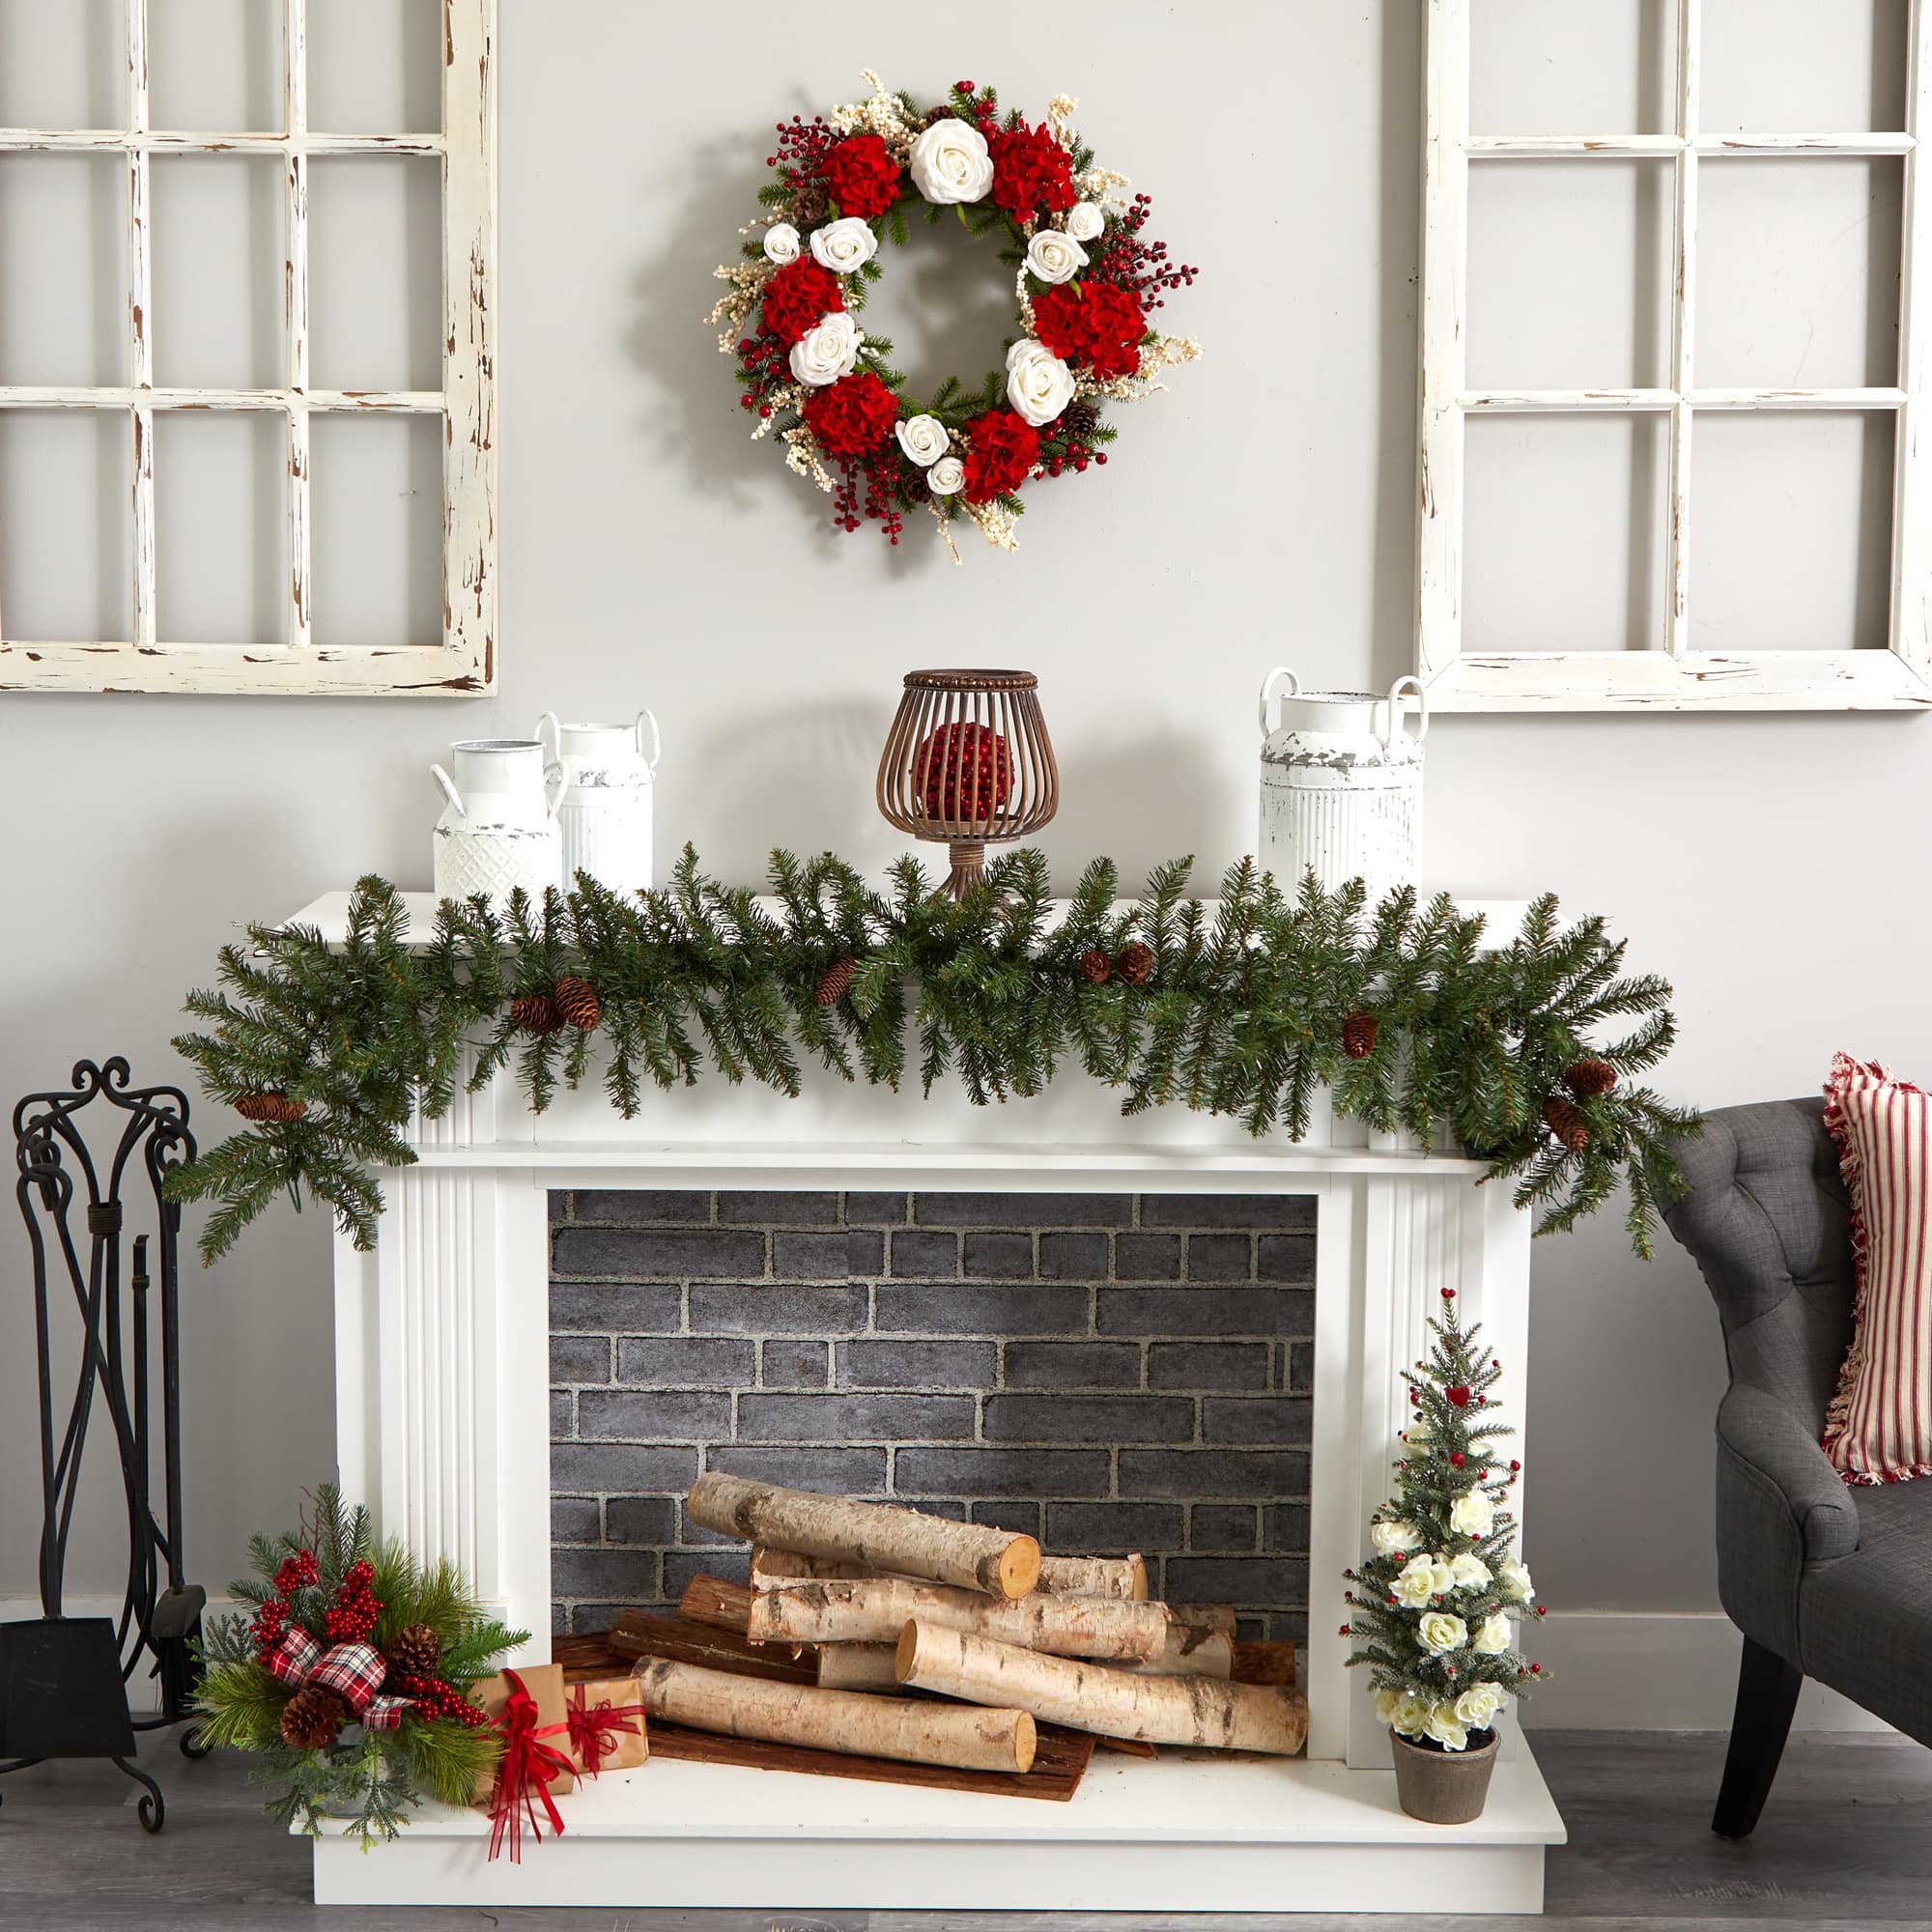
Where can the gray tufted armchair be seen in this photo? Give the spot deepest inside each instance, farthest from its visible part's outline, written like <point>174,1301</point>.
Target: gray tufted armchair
<point>1824,1580</point>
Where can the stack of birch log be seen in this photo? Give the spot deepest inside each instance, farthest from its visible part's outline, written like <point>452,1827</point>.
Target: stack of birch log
<point>893,1600</point>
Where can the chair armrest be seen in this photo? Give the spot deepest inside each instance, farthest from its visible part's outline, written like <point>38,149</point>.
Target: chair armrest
<point>1766,1437</point>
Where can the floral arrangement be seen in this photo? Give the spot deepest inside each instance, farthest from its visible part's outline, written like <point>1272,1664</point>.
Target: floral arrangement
<point>350,1679</point>
<point>1085,280</point>
<point>1434,1609</point>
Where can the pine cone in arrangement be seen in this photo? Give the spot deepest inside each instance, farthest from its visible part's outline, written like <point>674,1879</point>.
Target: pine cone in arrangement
<point>939,114</point>
<point>1568,1125</point>
<point>1080,421</point>
<point>1358,1036</point>
<point>414,1652</point>
<point>277,1108</point>
<point>1135,965</point>
<point>1590,1077</point>
<point>838,977</point>
<point>575,1000</point>
<point>1095,968</point>
<point>535,1012</point>
<point>811,205</point>
<point>313,1718</point>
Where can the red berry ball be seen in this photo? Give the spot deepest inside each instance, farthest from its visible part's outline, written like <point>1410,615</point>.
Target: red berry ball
<point>764,409</point>
<point>962,87</point>
<point>1448,1294</point>
<point>1100,458</point>
<point>1345,1630</point>
<point>1457,1458</point>
<point>748,402</point>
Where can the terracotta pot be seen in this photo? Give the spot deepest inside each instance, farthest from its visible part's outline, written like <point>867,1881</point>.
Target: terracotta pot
<point>1442,1788</point>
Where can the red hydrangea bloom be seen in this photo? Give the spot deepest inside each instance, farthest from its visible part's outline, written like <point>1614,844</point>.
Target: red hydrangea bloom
<point>1096,324</point>
<point>798,297</point>
<point>852,416</point>
<point>1031,171</point>
<point>863,179</point>
<point>1001,448</point>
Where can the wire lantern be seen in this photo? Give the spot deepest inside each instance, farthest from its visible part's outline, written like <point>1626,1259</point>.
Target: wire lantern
<point>968,762</point>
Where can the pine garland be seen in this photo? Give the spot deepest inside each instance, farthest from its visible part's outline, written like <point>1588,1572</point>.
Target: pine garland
<point>1244,1012</point>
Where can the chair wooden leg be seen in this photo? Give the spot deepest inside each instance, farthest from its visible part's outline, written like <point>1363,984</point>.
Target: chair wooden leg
<point>1768,1689</point>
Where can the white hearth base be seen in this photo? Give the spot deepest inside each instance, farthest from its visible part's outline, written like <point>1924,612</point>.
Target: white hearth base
<point>1192,1833</point>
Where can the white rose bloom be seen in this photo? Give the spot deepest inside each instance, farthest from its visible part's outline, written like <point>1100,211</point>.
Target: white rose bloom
<point>1084,221</point>
<point>1038,384</point>
<point>1412,1714</point>
<point>1440,1633</point>
<point>951,162</point>
<point>1392,1539</point>
<point>1386,1702</point>
<point>1493,1638</point>
<point>845,247</point>
<point>1468,1573</point>
<point>1055,257</point>
<point>1420,1578</point>
<point>1446,1728</point>
<point>946,476</point>
<point>1473,1513</point>
<point>827,352</point>
<point>1515,1579</point>
<point>781,243</point>
<point>1478,1705</point>
<point>922,439</point>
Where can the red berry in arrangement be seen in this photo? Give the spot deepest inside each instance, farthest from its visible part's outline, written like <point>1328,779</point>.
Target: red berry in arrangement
<point>748,402</point>
<point>1345,1630</point>
<point>967,771</point>
<point>1542,1610</point>
<point>1448,1294</point>
<point>962,87</point>
<point>1457,1458</point>
<point>1415,1395</point>
<point>1100,458</point>
<point>1458,1395</point>
<point>1515,1465</point>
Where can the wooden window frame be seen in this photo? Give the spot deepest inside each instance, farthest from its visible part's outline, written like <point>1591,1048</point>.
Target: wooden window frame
<point>1675,676</point>
<point>464,661</point>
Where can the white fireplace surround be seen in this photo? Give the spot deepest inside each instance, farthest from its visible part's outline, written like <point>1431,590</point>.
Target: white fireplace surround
<point>441,1340</point>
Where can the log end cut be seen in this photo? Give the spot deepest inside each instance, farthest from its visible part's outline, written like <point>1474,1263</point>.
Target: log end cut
<point>1018,1569</point>
<point>1026,1740</point>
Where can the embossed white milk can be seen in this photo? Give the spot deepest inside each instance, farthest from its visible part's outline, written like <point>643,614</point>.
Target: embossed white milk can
<point>498,824</point>
<point>1341,783</point>
<point>604,818</point>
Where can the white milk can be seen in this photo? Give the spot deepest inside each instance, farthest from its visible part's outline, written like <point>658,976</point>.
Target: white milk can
<point>499,827</point>
<point>1341,784</point>
<point>606,815</point>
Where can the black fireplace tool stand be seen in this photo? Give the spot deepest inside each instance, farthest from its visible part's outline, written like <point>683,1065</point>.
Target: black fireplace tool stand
<point>63,1680</point>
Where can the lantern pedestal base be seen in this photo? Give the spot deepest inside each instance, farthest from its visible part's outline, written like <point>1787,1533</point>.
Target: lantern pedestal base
<point>969,866</point>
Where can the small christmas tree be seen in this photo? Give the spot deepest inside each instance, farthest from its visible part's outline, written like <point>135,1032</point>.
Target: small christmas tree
<point>1433,1611</point>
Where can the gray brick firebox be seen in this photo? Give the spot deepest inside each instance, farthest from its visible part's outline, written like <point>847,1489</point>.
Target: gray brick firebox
<point>1106,1371</point>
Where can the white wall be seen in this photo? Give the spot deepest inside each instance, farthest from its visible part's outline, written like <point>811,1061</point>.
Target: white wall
<point>1259,513</point>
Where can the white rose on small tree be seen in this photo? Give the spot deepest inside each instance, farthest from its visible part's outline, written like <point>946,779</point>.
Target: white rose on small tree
<point>781,243</point>
<point>923,438</point>
<point>1055,257</point>
<point>951,162</point>
<point>1038,384</point>
<point>1085,220</point>
<point>845,247</point>
<point>1433,1611</point>
<point>826,352</point>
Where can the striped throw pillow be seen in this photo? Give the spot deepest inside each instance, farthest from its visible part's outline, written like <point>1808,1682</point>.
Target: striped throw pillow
<point>1879,1425</point>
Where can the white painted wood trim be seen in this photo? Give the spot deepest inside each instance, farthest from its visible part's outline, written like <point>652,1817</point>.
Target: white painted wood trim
<point>1912,458</point>
<point>1683,333</point>
<point>1572,401</point>
<point>160,141</point>
<point>300,615</point>
<point>1663,146</point>
<point>140,332</point>
<point>422,402</point>
<point>1560,681</point>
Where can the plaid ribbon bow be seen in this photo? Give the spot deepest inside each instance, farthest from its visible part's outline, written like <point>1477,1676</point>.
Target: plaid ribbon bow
<point>593,1732</point>
<point>525,1774</point>
<point>354,1671</point>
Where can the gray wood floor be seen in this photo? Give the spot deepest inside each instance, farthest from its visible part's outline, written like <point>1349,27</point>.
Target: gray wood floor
<point>1845,1846</point>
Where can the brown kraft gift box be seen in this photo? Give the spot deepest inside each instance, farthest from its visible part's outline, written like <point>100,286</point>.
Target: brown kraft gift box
<point>545,1684</point>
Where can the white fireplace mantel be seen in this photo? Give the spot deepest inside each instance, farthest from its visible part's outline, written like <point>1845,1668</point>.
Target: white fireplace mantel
<point>442,1379</point>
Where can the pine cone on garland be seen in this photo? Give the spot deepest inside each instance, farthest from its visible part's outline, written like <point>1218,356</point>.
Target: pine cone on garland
<point>1095,968</point>
<point>312,1720</point>
<point>810,203</point>
<point>1358,1036</point>
<point>1590,1077</point>
<point>535,1012</point>
<point>276,1108</point>
<point>837,978</point>
<point>575,1000</point>
<point>1569,1126</point>
<point>1136,963</point>
<point>414,1652</point>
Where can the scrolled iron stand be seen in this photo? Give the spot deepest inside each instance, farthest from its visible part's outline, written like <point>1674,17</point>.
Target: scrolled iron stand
<point>64,1683</point>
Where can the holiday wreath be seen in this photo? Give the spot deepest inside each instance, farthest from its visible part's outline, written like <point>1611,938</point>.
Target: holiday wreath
<point>1084,278</point>
<point>1244,1007</point>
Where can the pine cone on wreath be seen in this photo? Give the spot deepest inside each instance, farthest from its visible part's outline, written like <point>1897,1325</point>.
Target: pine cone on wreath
<point>1590,1077</point>
<point>811,205</point>
<point>535,1012</point>
<point>1135,964</point>
<point>312,1720</point>
<point>837,978</point>
<point>1080,421</point>
<point>1095,968</point>
<point>1569,1126</point>
<point>939,114</point>
<point>414,1652</point>
<point>575,1000</point>
<point>1358,1036</point>
<point>276,1108</point>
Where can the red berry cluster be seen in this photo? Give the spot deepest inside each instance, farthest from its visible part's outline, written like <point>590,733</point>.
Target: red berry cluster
<point>353,1618</point>
<point>434,1698</point>
<point>299,1573</point>
<point>1076,456</point>
<point>1140,268</point>
<point>271,1621</point>
<point>879,505</point>
<point>968,770</point>
<point>802,149</point>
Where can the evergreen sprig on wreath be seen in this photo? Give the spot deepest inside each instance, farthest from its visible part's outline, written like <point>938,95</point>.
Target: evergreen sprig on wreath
<point>1245,1008</point>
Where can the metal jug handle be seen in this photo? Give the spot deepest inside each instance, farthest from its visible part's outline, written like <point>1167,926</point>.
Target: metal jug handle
<point>657,744</point>
<point>449,791</point>
<point>556,737</point>
<point>1398,713</point>
<point>557,781</point>
<point>1267,693</point>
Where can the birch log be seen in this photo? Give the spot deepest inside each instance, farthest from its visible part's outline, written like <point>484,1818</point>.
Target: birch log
<point>1091,1697</point>
<point>1204,1616</point>
<point>1189,1652</point>
<point>781,1568</point>
<point>859,1666</point>
<point>716,1600</point>
<point>879,1609</point>
<point>1123,1576</point>
<point>836,1721</point>
<point>968,1555</point>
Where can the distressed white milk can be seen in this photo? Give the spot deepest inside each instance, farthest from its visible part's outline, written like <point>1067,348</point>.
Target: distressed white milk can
<point>1341,783</point>
<point>606,815</point>
<point>498,824</point>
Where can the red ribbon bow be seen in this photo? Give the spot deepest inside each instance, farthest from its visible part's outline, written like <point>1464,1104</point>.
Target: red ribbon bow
<point>528,1769</point>
<point>593,1733</point>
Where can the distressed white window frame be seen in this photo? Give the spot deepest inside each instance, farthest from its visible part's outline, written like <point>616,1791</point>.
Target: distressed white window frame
<point>464,661</point>
<point>1672,676</point>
